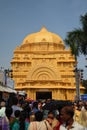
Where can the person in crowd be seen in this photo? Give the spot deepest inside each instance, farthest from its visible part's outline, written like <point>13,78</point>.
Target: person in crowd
<point>40,106</point>
<point>5,97</point>
<point>67,113</point>
<point>23,122</point>
<point>8,112</point>
<point>4,123</point>
<point>83,116</point>
<point>15,106</point>
<point>56,121</point>
<point>34,109</point>
<point>10,99</point>
<point>20,122</point>
<point>27,110</point>
<point>81,105</point>
<point>77,111</point>
<point>5,119</point>
<point>2,109</point>
<point>52,116</point>
<point>47,124</point>
<point>21,95</point>
<point>39,123</point>
<point>34,125</point>
<point>14,125</point>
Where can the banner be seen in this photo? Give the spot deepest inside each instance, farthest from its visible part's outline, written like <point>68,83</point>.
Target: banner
<point>10,83</point>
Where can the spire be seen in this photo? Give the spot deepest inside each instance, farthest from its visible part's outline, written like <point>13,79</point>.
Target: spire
<point>43,29</point>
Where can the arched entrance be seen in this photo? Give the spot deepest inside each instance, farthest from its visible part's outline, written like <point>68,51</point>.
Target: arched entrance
<point>43,95</point>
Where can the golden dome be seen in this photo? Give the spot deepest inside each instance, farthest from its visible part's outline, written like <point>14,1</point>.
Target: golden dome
<point>42,36</point>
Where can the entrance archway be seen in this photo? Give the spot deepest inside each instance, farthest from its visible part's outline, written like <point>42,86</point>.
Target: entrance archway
<point>43,95</point>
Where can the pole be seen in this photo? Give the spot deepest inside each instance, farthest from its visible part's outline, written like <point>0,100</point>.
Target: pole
<point>5,75</point>
<point>77,84</point>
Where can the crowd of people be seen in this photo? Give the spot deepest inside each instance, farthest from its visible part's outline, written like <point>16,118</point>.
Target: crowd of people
<point>17,113</point>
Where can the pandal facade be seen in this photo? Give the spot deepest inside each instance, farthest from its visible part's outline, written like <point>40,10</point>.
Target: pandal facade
<point>44,68</point>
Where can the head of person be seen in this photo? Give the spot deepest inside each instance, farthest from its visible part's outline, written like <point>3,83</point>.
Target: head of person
<point>15,101</point>
<point>17,113</point>
<point>66,113</point>
<point>50,115</point>
<point>39,105</point>
<point>35,105</point>
<point>80,105</point>
<point>38,116</point>
<point>2,104</point>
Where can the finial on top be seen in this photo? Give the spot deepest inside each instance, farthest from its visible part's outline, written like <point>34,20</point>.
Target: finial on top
<point>43,29</point>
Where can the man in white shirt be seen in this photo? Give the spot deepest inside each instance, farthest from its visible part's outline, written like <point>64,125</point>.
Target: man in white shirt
<point>66,114</point>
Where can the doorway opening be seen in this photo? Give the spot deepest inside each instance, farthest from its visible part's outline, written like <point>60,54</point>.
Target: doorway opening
<point>43,95</point>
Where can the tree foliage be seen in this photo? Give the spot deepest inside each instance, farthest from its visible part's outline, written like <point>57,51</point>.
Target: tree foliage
<point>77,39</point>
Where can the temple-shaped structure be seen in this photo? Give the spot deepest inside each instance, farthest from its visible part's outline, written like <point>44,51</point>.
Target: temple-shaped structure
<point>44,68</point>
